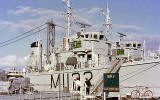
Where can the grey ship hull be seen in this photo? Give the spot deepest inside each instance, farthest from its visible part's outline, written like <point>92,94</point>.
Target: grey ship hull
<point>139,73</point>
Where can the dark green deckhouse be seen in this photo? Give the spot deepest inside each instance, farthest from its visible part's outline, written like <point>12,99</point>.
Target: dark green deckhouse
<point>76,44</point>
<point>120,51</point>
<point>111,82</point>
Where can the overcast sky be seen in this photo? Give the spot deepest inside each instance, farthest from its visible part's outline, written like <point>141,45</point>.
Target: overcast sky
<point>138,19</point>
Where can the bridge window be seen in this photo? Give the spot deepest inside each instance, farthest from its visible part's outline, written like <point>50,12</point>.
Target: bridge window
<point>139,45</point>
<point>134,45</point>
<point>89,57</point>
<point>117,44</point>
<point>101,37</point>
<point>95,36</point>
<point>82,36</point>
<point>128,45</point>
<point>86,35</point>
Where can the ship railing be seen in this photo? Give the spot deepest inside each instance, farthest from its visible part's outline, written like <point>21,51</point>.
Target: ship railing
<point>100,82</point>
<point>115,66</point>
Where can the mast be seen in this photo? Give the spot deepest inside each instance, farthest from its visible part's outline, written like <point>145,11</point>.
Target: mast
<point>69,13</point>
<point>108,21</point>
<point>107,24</point>
<point>50,41</point>
<point>68,33</point>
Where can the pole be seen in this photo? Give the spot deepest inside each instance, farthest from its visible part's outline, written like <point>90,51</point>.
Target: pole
<point>30,92</point>
<point>20,93</point>
<point>53,37</point>
<point>119,95</point>
<point>62,74</point>
<point>39,54</point>
<point>104,95</point>
<point>48,38</point>
<point>60,79</point>
<point>40,96</point>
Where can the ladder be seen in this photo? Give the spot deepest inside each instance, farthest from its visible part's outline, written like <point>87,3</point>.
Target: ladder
<point>115,66</point>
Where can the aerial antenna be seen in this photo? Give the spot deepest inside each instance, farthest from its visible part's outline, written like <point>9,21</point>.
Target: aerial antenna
<point>107,24</point>
<point>83,26</point>
<point>121,35</point>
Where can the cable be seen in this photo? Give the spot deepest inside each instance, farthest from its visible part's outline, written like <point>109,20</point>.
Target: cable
<point>22,37</point>
<point>132,72</point>
<point>18,36</point>
<point>21,34</point>
<point>60,26</point>
<point>139,72</point>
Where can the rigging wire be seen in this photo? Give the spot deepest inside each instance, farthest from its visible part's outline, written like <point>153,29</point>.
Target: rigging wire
<point>61,26</point>
<point>132,72</point>
<point>21,35</point>
<point>139,72</point>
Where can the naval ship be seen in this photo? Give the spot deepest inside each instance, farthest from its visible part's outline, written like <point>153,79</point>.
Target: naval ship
<point>88,55</point>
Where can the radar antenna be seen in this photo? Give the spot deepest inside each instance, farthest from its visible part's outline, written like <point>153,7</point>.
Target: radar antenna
<point>83,26</point>
<point>121,35</point>
<point>108,24</point>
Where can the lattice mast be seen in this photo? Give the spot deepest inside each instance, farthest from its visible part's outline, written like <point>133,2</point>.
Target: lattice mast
<point>50,40</point>
<point>107,24</point>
